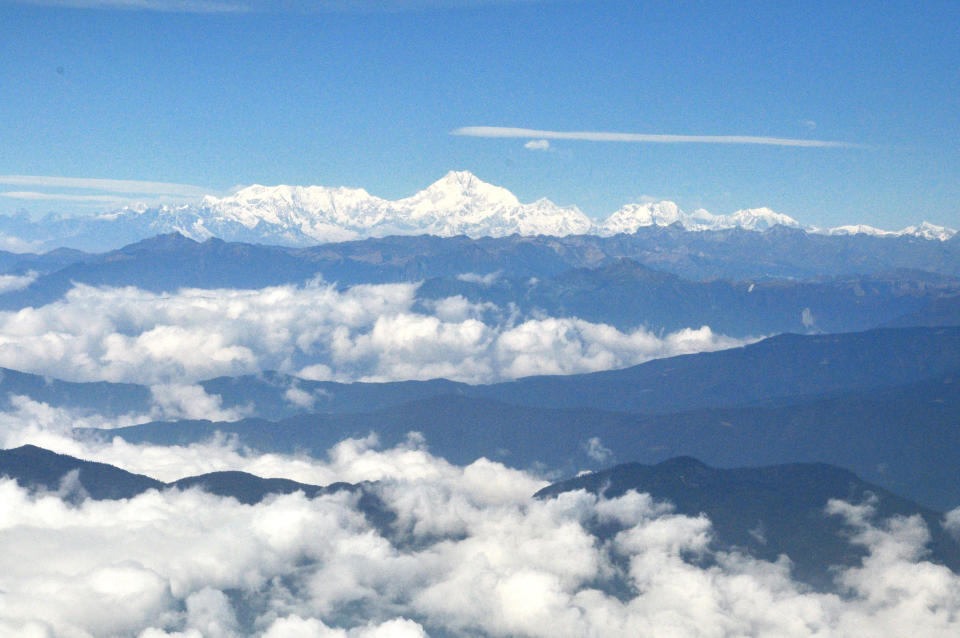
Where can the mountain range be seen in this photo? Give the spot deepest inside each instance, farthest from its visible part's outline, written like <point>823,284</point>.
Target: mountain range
<point>839,400</point>
<point>457,204</point>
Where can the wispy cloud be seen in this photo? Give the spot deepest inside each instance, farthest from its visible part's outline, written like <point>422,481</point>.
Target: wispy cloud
<point>603,136</point>
<point>107,185</point>
<point>166,6</point>
<point>272,6</point>
<point>63,197</point>
<point>538,145</point>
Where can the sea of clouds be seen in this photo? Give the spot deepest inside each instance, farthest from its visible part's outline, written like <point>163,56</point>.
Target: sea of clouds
<point>314,331</point>
<point>469,553</point>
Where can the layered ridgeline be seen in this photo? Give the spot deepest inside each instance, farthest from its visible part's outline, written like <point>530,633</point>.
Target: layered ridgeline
<point>457,204</point>
<point>737,282</point>
<point>837,399</point>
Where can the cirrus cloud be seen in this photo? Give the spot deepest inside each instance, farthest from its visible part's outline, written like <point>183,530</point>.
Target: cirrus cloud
<point>654,138</point>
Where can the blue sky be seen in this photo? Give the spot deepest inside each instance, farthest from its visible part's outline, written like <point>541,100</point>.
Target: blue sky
<point>214,94</point>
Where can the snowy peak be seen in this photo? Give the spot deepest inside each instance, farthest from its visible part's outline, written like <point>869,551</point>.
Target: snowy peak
<point>925,230</point>
<point>631,217</point>
<point>466,185</point>
<point>458,193</point>
<point>459,203</point>
<point>628,219</point>
<point>758,219</point>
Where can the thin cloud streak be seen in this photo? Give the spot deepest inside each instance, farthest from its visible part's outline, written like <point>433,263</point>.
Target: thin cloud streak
<point>603,136</point>
<point>34,195</point>
<point>273,6</point>
<point>108,185</point>
<point>165,6</point>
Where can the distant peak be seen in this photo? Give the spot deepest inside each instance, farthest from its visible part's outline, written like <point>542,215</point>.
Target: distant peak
<point>463,177</point>
<point>683,462</point>
<point>166,241</point>
<point>463,181</point>
<point>29,448</point>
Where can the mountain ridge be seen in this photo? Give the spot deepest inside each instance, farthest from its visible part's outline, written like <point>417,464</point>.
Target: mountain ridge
<point>459,203</point>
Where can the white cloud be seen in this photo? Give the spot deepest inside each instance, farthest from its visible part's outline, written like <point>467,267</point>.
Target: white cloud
<point>273,6</point>
<point>9,283</point>
<point>484,280</point>
<point>469,554</point>
<point>537,145</point>
<point>166,6</point>
<point>109,185</point>
<point>951,522</point>
<point>597,451</point>
<point>18,245</point>
<point>368,332</point>
<point>63,197</point>
<point>601,136</point>
<point>183,401</point>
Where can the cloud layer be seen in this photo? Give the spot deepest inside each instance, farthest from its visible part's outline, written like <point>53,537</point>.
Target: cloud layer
<point>468,554</point>
<point>369,332</point>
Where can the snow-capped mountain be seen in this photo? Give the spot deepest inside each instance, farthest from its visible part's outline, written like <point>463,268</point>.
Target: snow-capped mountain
<point>630,218</point>
<point>458,204</point>
<point>925,230</point>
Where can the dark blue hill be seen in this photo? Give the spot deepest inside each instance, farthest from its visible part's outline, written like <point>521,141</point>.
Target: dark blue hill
<point>37,468</point>
<point>627,294</point>
<point>772,371</point>
<point>903,437</point>
<point>768,511</point>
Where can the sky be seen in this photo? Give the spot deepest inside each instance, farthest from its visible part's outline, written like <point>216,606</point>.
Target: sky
<point>832,113</point>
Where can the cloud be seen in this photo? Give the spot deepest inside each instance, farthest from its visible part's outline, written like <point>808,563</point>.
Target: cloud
<point>9,283</point>
<point>165,6</point>
<point>470,553</point>
<point>183,401</point>
<point>274,6</point>
<point>110,185</point>
<point>64,197</point>
<point>484,280</point>
<point>538,145</point>
<point>18,245</point>
<point>597,451</point>
<point>363,333</point>
<point>599,136</point>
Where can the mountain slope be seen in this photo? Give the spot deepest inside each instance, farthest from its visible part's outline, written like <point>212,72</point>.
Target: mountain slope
<point>35,468</point>
<point>754,374</point>
<point>904,437</point>
<point>772,370</point>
